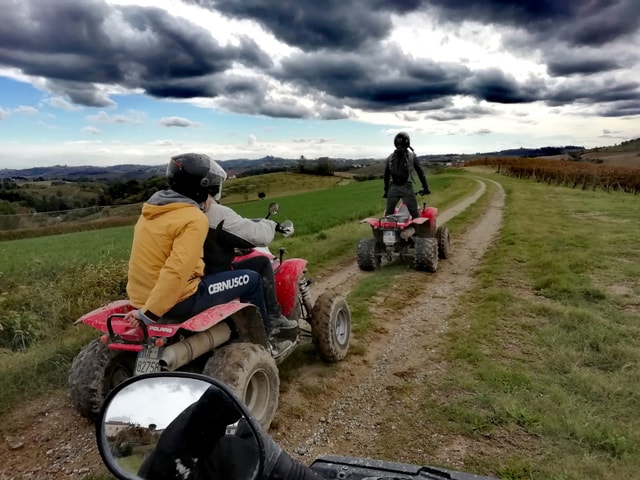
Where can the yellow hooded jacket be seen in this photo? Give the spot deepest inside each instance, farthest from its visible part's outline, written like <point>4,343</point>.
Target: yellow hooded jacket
<point>166,263</point>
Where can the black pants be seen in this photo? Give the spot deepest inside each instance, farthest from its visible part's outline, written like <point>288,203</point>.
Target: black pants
<point>404,192</point>
<point>263,266</point>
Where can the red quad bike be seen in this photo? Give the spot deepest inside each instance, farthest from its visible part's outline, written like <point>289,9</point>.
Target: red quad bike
<point>227,342</point>
<point>400,236</point>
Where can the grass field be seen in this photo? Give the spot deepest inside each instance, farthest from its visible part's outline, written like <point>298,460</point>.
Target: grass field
<point>542,354</point>
<point>48,282</point>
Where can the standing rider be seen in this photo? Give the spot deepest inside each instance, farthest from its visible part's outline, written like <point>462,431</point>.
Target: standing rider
<point>166,268</point>
<point>398,183</point>
<point>229,231</point>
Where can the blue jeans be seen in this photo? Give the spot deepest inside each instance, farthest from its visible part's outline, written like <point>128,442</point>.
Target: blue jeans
<point>222,287</point>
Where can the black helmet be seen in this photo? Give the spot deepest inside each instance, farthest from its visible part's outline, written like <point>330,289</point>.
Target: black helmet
<point>402,140</point>
<point>195,176</point>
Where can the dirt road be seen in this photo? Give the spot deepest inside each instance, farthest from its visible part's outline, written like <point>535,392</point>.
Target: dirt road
<point>48,440</point>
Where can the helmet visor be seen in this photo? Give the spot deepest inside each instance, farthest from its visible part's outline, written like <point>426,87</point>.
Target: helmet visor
<point>214,179</point>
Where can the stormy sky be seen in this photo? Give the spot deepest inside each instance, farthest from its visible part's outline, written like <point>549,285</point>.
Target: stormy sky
<point>140,80</point>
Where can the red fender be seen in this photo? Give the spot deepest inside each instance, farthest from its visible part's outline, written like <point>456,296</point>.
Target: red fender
<point>198,323</point>
<point>430,214</point>
<point>286,277</point>
<point>374,222</point>
<point>209,317</point>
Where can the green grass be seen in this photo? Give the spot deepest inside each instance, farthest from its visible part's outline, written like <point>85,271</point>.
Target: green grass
<point>542,355</point>
<point>48,282</point>
<point>544,351</point>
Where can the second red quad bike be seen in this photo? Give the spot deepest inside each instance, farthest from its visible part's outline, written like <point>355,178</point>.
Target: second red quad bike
<point>227,342</point>
<point>400,236</point>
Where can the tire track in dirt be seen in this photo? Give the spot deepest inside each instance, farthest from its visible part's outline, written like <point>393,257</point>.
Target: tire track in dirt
<point>349,422</point>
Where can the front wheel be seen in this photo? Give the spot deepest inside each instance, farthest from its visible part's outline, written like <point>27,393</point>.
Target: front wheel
<point>252,374</point>
<point>426,254</point>
<point>95,371</point>
<point>331,326</point>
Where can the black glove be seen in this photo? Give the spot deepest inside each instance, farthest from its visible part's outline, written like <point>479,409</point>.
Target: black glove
<point>425,191</point>
<point>285,231</point>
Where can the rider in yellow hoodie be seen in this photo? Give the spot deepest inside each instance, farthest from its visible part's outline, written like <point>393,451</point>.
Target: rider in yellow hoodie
<point>166,270</point>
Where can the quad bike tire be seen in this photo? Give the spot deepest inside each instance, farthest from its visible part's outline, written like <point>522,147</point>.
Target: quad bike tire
<point>95,371</point>
<point>252,374</point>
<point>426,254</point>
<point>444,242</point>
<point>366,255</point>
<point>331,326</point>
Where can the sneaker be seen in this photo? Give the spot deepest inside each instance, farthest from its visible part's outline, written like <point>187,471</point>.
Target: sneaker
<point>280,322</point>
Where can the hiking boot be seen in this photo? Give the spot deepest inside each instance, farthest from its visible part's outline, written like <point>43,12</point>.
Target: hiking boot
<point>280,322</point>
<point>278,346</point>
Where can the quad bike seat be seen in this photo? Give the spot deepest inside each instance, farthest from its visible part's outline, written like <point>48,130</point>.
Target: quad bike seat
<point>401,216</point>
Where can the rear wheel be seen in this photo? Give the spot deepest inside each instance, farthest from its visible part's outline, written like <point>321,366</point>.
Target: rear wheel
<point>426,254</point>
<point>95,371</point>
<point>366,255</point>
<point>251,372</point>
<point>331,326</point>
<point>444,242</point>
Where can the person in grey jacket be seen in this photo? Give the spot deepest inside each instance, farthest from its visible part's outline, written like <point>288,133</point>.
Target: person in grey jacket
<point>229,231</point>
<point>398,171</point>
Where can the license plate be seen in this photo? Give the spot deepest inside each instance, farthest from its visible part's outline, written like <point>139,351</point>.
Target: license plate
<point>148,361</point>
<point>389,236</point>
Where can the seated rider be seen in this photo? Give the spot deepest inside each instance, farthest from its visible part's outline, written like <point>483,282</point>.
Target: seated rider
<point>195,446</point>
<point>166,268</point>
<point>398,183</point>
<point>229,231</point>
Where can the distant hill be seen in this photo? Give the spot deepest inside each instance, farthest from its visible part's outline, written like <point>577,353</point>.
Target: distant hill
<point>626,153</point>
<point>140,172</point>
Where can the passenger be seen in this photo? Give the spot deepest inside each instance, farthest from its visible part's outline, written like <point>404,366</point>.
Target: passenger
<point>229,231</point>
<point>195,445</point>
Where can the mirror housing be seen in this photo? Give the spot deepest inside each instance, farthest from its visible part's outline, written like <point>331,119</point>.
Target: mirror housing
<point>183,425</point>
<point>273,209</point>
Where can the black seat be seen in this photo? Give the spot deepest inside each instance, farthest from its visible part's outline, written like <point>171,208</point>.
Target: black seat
<point>402,216</point>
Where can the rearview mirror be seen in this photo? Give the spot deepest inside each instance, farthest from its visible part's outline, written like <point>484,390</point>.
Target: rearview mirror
<point>178,425</point>
<point>273,209</point>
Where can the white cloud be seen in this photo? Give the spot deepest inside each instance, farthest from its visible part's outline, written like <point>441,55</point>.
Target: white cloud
<point>132,117</point>
<point>178,122</point>
<point>62,104</point>
<point>26,110</point>
<point>91,130</point>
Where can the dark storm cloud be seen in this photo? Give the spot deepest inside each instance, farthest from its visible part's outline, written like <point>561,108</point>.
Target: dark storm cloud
<point>448,114</point>
<point>594,92</point>
<point>384,82</point>
<point>619,109</point>
<point>343,57</point>
<point>71,41</point>
<point>577,22</point>
<point>561,67</point>
<point>313,25</point>
<point>387,83</point>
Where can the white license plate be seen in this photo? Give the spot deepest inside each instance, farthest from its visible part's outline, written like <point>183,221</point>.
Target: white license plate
<point>148,361</point>
<point>389,236</point>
